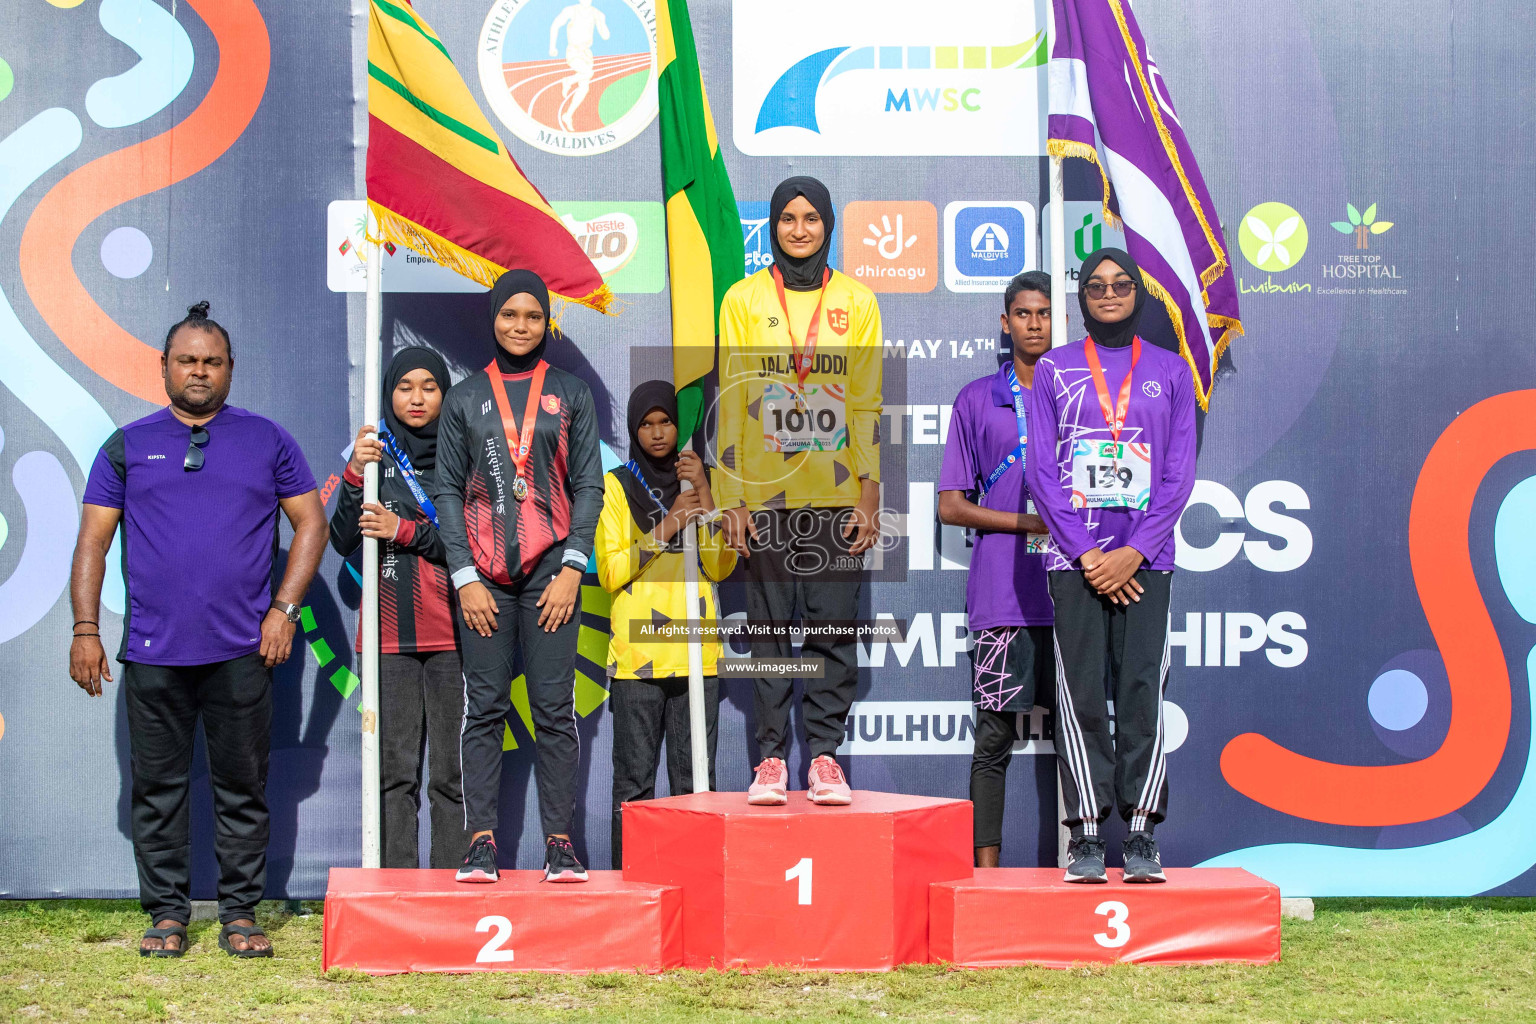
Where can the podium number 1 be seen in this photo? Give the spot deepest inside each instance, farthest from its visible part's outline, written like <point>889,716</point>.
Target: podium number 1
<point>491,952</point>
<point>802,871</point>
<point>1117,933</point>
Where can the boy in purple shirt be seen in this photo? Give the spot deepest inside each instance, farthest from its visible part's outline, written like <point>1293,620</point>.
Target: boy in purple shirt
<point>1119,416</point>
<point>981,487</point>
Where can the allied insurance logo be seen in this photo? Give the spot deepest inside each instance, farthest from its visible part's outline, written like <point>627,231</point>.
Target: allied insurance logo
<point>1273,237</point>
<point>887,77</point>
<point>574,77</point>
<point>986,244</point>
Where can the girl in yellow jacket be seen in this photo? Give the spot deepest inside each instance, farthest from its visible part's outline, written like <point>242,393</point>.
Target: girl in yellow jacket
<point>640,562</point>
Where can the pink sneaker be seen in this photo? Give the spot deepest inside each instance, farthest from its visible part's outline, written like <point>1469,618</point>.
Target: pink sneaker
<point>771,785</point>
<point>827,784</point>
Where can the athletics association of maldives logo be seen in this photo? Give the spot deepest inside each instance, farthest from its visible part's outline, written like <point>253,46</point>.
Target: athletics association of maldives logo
<point>573,77</point>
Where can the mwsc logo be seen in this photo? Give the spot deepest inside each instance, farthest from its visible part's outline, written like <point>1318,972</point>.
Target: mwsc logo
<point>852,88</point>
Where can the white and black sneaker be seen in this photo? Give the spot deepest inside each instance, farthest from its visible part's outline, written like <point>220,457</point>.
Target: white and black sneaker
<point>560,863</point>
<point>1085,860</point>
<point>1142,863</point>
<point>480,862</point>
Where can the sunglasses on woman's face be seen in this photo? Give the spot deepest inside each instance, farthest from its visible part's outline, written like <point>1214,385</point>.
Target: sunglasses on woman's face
<point>194,459</point>
<point>1096,289</point>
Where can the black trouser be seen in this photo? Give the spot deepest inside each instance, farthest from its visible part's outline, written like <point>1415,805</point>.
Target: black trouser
<point>421,699</point>
<point>1130,768</point>
<point>1009,667</point>
<point>645,710</point>
<point>803,554</point>
<point>234,699</point>
<point>549,666</point>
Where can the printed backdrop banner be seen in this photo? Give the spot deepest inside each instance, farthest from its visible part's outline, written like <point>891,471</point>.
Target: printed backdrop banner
<point>1354,622</point>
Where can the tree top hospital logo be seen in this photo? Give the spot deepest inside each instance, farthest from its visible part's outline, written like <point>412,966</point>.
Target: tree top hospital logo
<point>887,77</point>
<point>1273,237</point>
<point>987,244</point>
<point>573,77</point>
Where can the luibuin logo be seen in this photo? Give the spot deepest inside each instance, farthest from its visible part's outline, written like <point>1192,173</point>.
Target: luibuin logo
<point>1362,225</point>
<point>1273,237</point>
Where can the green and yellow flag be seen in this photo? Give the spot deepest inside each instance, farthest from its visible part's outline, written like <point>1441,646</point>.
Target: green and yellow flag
<point>705,254</point>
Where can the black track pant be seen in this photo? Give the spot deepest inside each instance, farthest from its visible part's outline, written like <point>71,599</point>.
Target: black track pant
<point>800,562</point>
<point>421,705</point>
<point>644,711</point>
<point>1129,769</point>
<point>549,664</point>
<point>234,700</point>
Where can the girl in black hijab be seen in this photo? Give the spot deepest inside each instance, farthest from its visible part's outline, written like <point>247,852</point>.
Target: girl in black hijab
<point>640,562</point>
<point>518,282</point>
<point>1119,333</point>
<point>420,692</point>
<point>801,273</point>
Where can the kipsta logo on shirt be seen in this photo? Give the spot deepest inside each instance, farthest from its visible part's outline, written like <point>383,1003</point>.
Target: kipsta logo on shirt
<point>987,244</point>
<point>865,83</point>
<point>572,77</point>
<point>1151,389</point>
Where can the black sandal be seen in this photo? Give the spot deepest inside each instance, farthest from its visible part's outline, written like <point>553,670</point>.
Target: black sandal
<point>246,932</point>
<point>178,931</point>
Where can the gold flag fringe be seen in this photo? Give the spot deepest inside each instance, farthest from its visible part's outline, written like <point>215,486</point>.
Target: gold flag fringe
<point>1065,148</point>
<point>1232,327</point>
<point>392,227</point>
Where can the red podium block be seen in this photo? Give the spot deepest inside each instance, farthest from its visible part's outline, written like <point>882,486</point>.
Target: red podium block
<point>831,888</point>
<point>391,920</point>
<point>1005,917</point>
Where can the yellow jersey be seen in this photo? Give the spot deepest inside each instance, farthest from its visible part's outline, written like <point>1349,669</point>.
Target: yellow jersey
<point>781,442</point>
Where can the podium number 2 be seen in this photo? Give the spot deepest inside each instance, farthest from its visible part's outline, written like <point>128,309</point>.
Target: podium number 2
<point>491,952</point>
<point>802,871</point>
<point>1117,933</point>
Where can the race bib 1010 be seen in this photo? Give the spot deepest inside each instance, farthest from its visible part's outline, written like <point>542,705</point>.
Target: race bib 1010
<point>813,418</point>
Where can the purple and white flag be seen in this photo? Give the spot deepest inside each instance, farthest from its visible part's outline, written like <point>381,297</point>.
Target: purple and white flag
<point>1109,104</point>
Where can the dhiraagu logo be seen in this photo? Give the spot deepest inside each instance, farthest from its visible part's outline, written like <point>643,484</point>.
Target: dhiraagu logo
<point>887,77</point>
<point>1273,237</point>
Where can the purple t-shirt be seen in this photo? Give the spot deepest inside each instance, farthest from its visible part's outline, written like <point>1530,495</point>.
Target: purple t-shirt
<point>1007,584</point>
<point>1065,410</point>
<point>198,546</point>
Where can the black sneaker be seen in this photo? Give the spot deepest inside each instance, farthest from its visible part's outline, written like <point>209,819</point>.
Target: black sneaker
<point>1142,863</point>
<point>560,863</point>
<point>480,862</point>
<point>1085,860</point>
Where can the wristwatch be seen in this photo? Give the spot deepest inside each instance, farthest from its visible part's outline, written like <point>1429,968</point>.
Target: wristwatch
<point>290,611</point>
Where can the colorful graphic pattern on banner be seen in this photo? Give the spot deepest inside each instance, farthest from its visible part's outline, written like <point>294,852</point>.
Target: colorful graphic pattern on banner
<point>1354,618</point>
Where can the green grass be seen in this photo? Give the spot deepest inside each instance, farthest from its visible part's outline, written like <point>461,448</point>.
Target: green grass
<point>1360,960</point>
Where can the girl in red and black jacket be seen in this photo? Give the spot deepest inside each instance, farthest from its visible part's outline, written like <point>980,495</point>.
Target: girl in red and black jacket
<point>419,671</point>
<point>519,490</point>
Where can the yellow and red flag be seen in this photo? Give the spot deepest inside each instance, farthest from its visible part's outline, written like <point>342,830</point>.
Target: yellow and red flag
<point>440,181</point>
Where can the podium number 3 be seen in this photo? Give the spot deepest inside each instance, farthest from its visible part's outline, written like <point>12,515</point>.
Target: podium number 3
<point>491,952</point>
<point>1117,933</point>
<point>802,871</point>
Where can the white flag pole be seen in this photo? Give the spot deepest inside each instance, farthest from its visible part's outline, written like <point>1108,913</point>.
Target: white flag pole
<point>698,730</point>
<point>1058,338</point>
<point>369,707</point>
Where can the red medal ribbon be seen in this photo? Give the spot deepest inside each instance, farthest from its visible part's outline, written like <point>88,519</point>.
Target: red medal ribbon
<point>802,356</point>
<point>519,445</point>
<point>1115,418</point>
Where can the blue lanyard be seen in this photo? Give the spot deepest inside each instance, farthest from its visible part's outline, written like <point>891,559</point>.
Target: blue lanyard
<point>634,467</point>
<point>1017,455</point>
<point>406,470</point>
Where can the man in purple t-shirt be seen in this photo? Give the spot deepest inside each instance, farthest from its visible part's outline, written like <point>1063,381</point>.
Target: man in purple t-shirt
<point>196,488</point>
<point>1114,426</point>
<point>982,488</point>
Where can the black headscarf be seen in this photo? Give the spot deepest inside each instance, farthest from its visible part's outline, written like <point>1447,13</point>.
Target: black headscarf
<point>1116,335</point>
<point>801,275</point>
<point>420,443</point>
<point>660,473</point>
<point>516,282</point>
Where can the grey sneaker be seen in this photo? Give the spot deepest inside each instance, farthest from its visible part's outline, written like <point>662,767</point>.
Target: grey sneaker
<point>1085,860</point>
<point>1142,863</point>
